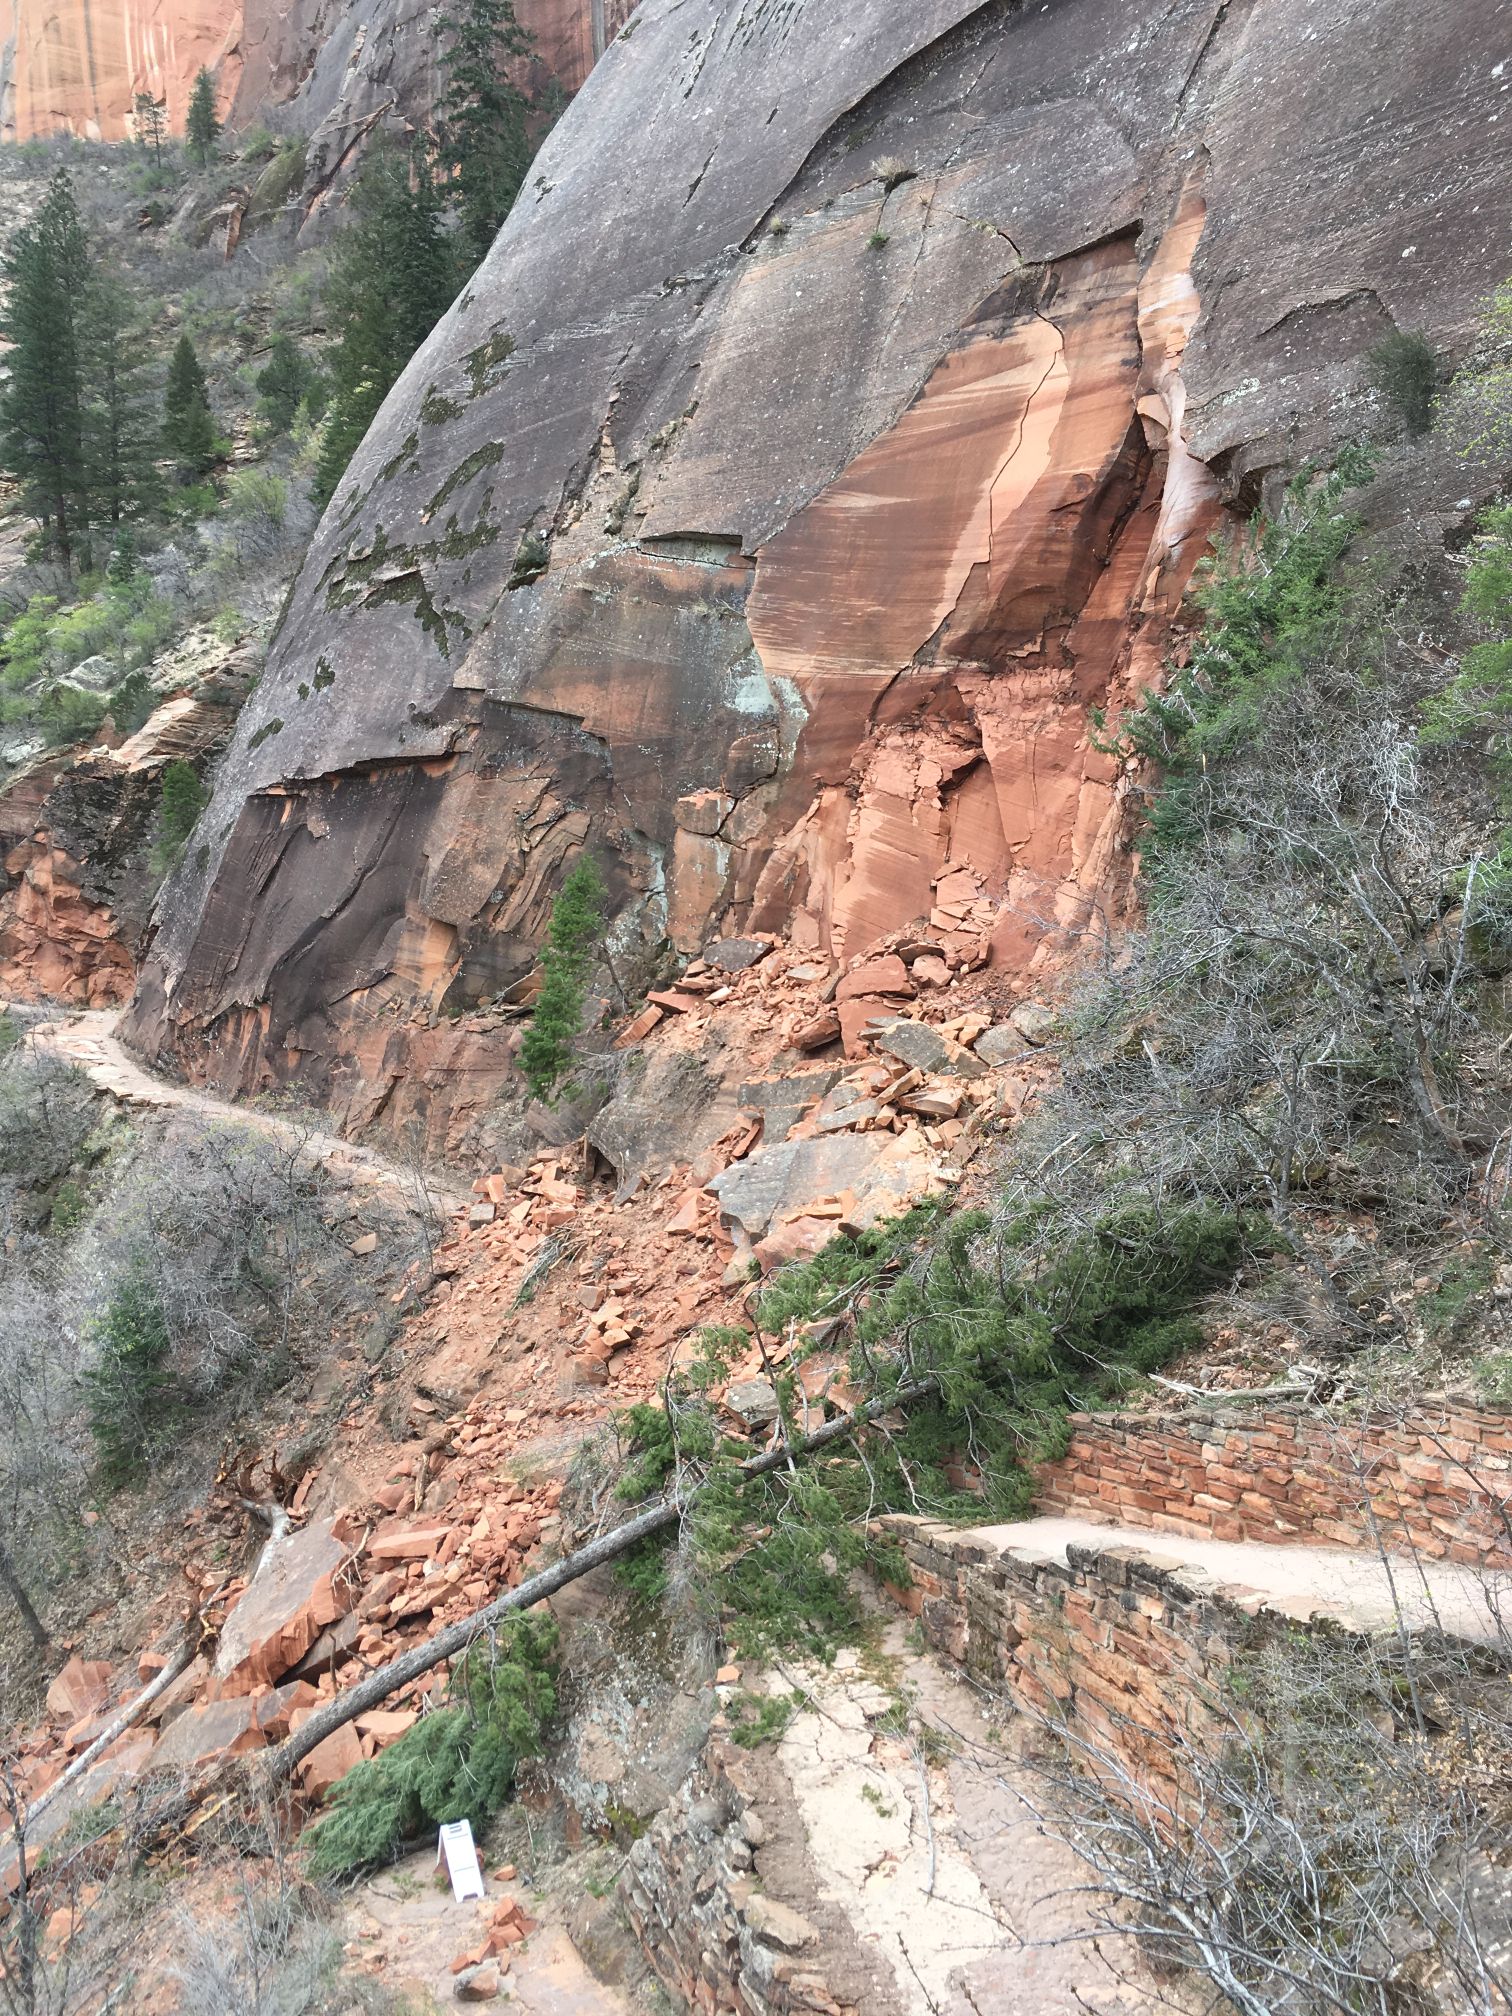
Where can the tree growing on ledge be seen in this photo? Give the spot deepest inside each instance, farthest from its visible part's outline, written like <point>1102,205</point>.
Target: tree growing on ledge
<point>577,920</point>
<point>484,115</point>
<point>202,127</point>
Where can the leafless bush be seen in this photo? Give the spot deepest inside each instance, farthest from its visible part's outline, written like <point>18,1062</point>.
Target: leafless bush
<point>226,1224</point>
<point>1295,1032</point>
<point>1318,1840</point>
<point>273,1950</point>
<point>66,1938</point>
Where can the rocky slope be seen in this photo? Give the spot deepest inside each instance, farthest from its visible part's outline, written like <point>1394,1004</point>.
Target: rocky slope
<point>867,399</point>
<point>76,67</point>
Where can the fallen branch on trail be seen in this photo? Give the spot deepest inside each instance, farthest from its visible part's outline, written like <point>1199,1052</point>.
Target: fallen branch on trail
<point>279,1763</point>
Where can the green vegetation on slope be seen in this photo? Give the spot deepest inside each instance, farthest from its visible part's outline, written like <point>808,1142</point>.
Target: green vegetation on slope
<point>456,1763</point>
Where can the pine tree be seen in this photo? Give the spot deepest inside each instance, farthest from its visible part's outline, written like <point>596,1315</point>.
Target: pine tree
<point>183,800</point>
<point>119,435</point>
<point>42,407</point>
<point>201,127</point>
<point>577,921</point>
<point>285,381</point>
<point>392,280</point>
<point>121,568</point>
<point>188,430</point>
<point>151,125</point>
<point>484,116</point>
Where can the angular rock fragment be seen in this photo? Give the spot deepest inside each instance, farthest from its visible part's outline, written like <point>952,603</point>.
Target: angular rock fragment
<point>295,1593</point>
<point>736,955</point>
<point>1034,1021</point>
<point>1000,1044</point>
<point>753,1400</point>
<point>916,1043</point>
<point>82,1688</point>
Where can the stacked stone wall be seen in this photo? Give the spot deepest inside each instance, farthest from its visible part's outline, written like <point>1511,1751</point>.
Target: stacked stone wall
<point>1441,1488</point>
<point>1116,1644</point>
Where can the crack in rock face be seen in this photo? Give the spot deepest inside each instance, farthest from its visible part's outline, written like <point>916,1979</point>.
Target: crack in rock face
<point>839,534</point>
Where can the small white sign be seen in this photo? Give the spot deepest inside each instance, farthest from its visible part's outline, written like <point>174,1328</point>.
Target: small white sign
<point>461,1860</point>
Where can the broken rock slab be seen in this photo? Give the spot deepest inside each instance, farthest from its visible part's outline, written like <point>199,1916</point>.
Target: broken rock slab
<point>1000,1044</point>
<point>82,1688</point>
<point>1034,1021</point>
<point>917,1044</point>
<point>224,1728</point>
<point>296,1593</point>
<point>734,955</point>
<point>780,1196</point>
<point>754,1401</point>
<point>788,1175</point>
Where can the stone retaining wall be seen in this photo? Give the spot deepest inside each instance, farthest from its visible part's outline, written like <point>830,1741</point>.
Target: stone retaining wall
<point>1117,1643</point>
<point>1442,1487</point>
<point>703,1913</point>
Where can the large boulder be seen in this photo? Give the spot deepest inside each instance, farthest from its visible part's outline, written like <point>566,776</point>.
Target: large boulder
<point>869,379</point>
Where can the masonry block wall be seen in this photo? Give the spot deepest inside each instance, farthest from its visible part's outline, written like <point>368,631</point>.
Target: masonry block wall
<point>1117,1643</point>
<point>1442,1488</point>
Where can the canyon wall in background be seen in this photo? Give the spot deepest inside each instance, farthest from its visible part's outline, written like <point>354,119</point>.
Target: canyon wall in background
<point>75,66</point>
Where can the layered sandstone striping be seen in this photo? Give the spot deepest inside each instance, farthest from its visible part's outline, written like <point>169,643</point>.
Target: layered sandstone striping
<point>832,429</point>
<point>76,66</point>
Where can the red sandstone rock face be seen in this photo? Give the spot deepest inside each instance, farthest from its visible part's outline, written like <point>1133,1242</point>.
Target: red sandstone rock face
<point>858,499</point>
<point>74,830</point>
<point>75,66</point>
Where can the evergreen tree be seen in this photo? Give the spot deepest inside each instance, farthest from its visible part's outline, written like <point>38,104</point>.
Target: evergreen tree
<point>201,127</point>
<point>284,383</point>
<point>119,435</point>
<point>42,407</point>
<point>392,280</point>
<point>577,922</point>
<point>188,430</point>
<point>151,125</point>
<point>122,566</point>
<point>483,115</point>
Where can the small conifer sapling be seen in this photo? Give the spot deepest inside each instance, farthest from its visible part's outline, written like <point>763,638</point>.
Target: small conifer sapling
<point>577,922</point>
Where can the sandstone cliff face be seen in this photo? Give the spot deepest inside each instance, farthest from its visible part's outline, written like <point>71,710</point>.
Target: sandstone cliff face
<point>873,375</point>
<point>75,66</point>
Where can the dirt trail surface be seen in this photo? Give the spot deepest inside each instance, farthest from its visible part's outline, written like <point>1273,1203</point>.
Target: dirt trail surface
<point>930,1843</point>
<point>406,1930</point>
<point>1360,1590</point>
<point>89,1040</point>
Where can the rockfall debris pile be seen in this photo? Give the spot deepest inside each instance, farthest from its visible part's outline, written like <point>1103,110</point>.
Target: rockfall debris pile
<point>828,1098</point>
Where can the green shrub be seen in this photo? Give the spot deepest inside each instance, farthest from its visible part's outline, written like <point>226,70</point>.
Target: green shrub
<point>286,381</point>
<point>132,702</point>
<point>457,1763</point>
<point>1404,370</point>
<point>577,918</point>
<point>530,562</point>
<point>1268,615</point>
<point>130,1386</point>
<point>70,1203</point>
<point>1478,702</point>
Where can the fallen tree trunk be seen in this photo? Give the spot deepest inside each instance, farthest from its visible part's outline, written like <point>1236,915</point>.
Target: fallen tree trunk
<point>279,1763</point>
<point>132,1712</point>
